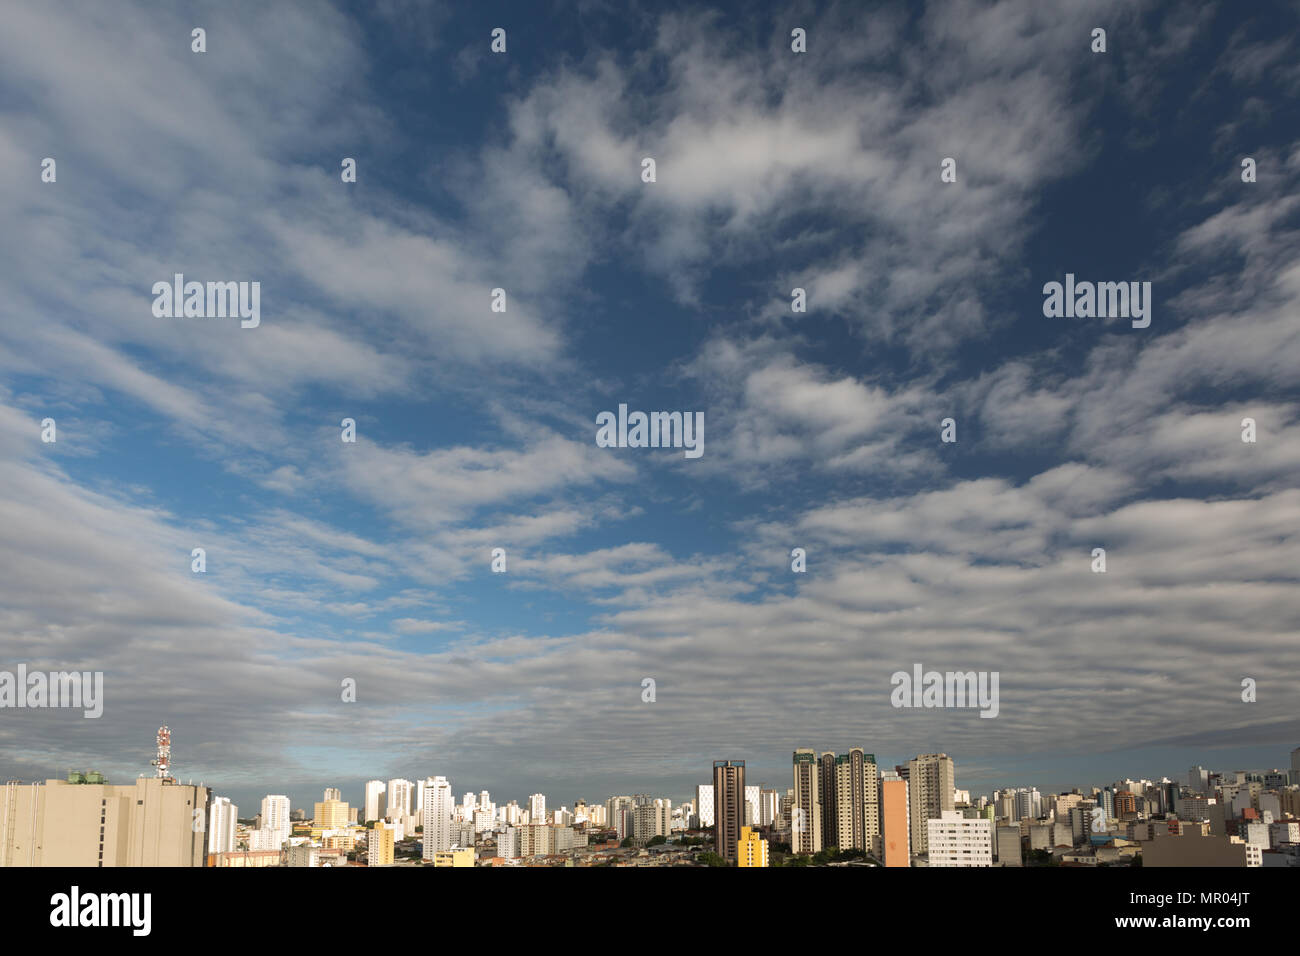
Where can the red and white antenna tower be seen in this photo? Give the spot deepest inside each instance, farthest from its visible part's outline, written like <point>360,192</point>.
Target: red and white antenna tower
<point>164,759</point>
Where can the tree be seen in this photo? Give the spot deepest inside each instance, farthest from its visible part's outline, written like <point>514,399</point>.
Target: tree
<point>711,859</point>
<point>657,841</point>
<point>627,842</point>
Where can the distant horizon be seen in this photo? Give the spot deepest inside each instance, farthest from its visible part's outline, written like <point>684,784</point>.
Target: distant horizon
<point>298,802</point>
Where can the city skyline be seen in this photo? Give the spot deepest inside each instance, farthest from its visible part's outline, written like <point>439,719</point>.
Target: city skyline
<point>302,796</point>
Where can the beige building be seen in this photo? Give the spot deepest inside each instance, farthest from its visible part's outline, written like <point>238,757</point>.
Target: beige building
<point>148,822</point>
<point>857,808</point>
<point>246,858</point>
<point>806,810</point>
<point>462,856</point>
<point>931,779</point>
<point>380,850</point>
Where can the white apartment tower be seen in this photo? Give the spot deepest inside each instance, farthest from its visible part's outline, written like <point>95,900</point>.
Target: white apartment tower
<point>374,800</point>
<point>704,804</point>
<point>955,840</point>
<point>400,794</point>
<point>275,818</point>
<point>537,808</point>
<point>438,807</point>
<point>221,827</point>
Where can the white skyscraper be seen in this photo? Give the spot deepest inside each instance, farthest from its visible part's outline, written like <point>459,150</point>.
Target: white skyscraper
<point>374,800</point>
<point>752,816</point>
<point>704,804</point>
<point>275,818</point>
<point>221,826</point>
<point>439,804</point>
<point>537,808</point>
<point>400,799</point>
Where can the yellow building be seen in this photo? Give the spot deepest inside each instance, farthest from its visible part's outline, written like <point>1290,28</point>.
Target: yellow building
<point>751,850</point>
<point>458,857</point>
<point>338,839</point>
<point>381,845</point>
<point>331,815</point>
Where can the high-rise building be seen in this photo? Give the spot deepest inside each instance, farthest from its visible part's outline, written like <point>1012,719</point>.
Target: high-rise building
<point>537,808</point>
<point>374,800</point>
<point>768,807</point>
<point>652,820</point>
<point>330,814</point>
<point>624,821</point>
<point>806,809</point>
<point>827,791</point>
<point>400,797</point>
<point>438,807</point>
<point>895,822</point>
<point>275,818</point>
<point>954,840</point>
<point>380,847</point>
<point>87,822</point>
<point>222,818</point>
<point>728,806</point>
<point>615,810</point>
<point>751,850</point>
<point>704,804</point>
<point>1029,804</point>
<point>332,793</point>
<point>751,805</point>
<point>930,783</point>
<point>508,843</point>
<point>856,803</point>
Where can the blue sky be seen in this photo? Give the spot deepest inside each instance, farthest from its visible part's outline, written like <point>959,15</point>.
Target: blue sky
<point>476,429</point>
